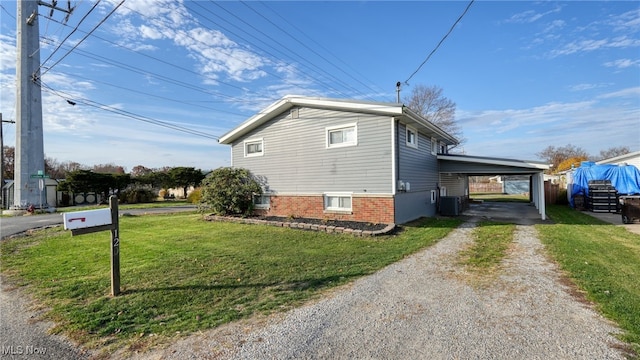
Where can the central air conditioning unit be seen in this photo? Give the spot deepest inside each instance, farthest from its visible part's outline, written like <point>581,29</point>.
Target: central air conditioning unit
<point>450,205</point>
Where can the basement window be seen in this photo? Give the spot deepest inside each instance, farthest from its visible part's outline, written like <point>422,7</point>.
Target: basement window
<point>261,201</point>
<point>337,202</point>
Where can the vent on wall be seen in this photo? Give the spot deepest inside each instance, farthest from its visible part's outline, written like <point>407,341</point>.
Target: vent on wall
<point>294,113</point>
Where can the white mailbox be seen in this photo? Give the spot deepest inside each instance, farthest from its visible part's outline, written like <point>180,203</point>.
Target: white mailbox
<point>86,219</point>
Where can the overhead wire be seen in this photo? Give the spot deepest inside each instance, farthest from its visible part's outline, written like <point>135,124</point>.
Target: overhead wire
<point>84,38</point>
<point>68,35</point>
<point>307,47</point>
<point>440,43</point>
<point>302,61</point>
<point>73,100</point>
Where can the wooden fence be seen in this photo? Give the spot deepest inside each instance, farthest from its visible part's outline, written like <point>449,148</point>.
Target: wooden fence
<point>486,188</point>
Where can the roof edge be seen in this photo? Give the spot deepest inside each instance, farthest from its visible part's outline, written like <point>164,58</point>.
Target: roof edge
<point>496,161</point>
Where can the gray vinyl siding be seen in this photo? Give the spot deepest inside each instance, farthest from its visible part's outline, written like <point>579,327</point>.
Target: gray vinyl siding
<point>419,168</point>
<point>455,186</point>
<point>296,158</point>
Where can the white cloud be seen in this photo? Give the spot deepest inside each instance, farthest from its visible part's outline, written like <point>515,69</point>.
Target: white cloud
<point>530,16</point>
<point>622,63</point>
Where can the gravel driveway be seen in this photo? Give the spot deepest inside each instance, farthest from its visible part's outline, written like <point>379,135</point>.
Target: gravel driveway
<point>426,307</point>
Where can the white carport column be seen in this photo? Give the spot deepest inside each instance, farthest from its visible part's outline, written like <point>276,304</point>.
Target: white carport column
<point>541,205</point>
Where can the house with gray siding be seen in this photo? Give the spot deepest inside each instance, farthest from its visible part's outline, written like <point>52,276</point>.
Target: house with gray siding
<point>345,160</point>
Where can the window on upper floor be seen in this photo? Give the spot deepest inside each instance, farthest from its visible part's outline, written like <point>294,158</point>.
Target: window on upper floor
<point>254,147</point>
<point>412,137</point>
<point>434,146</point>
<point>443,148</point>
<point>340,136</point>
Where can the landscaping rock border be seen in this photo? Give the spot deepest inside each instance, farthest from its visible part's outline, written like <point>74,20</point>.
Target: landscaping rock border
<point>299,223</point>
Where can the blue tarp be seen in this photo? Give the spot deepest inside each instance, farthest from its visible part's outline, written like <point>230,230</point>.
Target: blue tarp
<point>626,179</point>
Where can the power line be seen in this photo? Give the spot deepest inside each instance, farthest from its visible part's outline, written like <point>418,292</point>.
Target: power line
<point>74,100</point>
<point>441,41</point>
<point>68,35</point>
<point>85,37</point>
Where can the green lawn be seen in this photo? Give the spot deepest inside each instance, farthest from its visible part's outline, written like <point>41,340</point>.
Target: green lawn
<point>602,259</point>
<point>499,197</point>
<point>180,273</point>
<point>491,241</point>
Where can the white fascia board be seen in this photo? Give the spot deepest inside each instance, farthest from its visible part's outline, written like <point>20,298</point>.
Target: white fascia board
<point>290,101</point>
<point>257,119</point>
<point>493,161</point>
<point>619,158</point>
<point>443,135</point>
<point>366,107</point>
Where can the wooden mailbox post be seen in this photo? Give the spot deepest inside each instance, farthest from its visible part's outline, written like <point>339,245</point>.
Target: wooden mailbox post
<point>90,221</point>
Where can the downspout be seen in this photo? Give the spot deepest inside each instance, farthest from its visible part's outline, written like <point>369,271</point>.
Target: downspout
<point>394,156</point>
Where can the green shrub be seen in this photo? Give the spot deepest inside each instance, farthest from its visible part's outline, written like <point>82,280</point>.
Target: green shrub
<point>195,196</point>
<point>229,191</point>
<point>135,195</point>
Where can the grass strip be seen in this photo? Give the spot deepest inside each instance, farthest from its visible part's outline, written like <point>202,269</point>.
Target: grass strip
<point>181,274</point>
<point>491,241</point>
<point>602,259</point>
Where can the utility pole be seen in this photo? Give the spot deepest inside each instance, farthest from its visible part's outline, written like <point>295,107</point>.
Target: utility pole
<point>29,156</point>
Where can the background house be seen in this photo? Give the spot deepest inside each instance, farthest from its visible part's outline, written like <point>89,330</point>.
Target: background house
<point>632,158</point>
<point>350,160</point>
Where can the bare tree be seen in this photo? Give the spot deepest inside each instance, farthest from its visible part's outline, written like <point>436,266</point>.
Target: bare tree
<point>9,156</point>
<point>555,155</point>
<point>429,102</point>
<point>110,168</point>
<point>613,152</point>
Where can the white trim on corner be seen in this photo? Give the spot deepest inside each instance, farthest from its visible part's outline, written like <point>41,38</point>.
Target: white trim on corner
<point>253,141</point>
<point>328,129</point>
<point>393,156</point>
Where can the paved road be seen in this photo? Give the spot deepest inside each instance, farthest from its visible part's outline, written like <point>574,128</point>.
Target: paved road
<point>18,224</point>
<point>22,334</point>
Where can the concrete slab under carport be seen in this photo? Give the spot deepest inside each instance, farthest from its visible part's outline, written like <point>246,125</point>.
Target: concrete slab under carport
<point>519,213</point>
<point>466,165</point>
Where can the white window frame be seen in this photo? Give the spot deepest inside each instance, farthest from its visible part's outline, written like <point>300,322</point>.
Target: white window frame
<point>338,195</point>
<point>434,146</point>
<point>414,143</point>
<point>262,205</point>
<point>251,142</point>
<point>442,148</point>
<point>329,130</point>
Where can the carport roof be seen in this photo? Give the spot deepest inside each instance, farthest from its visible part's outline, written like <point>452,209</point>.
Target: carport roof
<point>477,165</point>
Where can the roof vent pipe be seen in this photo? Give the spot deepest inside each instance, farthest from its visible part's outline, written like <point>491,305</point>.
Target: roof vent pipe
<point>398,91</point>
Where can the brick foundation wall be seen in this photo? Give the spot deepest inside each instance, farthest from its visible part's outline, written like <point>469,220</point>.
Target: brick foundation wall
<point>378,210</point>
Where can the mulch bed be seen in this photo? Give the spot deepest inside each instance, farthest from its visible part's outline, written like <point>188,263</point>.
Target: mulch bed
<point>355,225</point>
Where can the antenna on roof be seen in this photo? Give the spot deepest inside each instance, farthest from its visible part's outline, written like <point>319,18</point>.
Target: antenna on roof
<point>398,84</point>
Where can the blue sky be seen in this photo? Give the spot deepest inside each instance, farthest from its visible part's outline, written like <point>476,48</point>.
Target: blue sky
<point>524,75</point>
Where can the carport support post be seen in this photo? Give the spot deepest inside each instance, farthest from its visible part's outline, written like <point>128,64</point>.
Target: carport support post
<point>115,246</point>
<point>542,207</point>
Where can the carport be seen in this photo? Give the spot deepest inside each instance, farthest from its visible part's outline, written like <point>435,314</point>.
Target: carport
<point>455,171</point>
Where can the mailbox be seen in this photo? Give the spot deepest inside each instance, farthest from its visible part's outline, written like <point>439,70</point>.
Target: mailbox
<point>86,219</point>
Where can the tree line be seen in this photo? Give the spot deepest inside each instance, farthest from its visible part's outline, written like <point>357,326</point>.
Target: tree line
<point>106,179</point>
